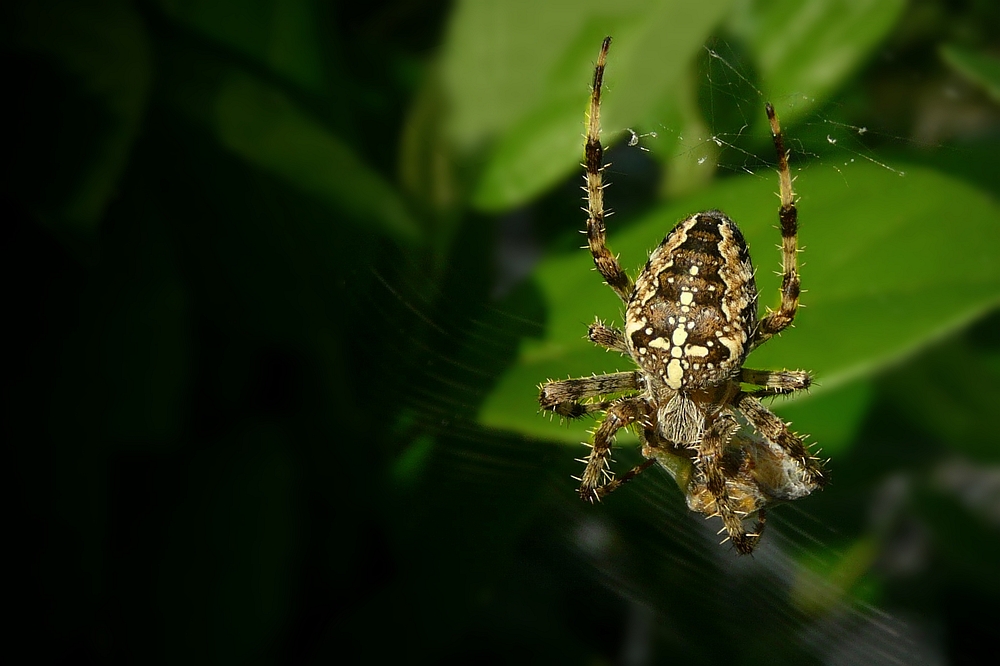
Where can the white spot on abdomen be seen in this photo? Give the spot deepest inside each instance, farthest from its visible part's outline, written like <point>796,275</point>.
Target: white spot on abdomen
<point>633,326</point>
<point>674,374</point>
<point>732,346</point>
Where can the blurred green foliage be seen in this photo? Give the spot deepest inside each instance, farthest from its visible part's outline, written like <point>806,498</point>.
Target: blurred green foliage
<point>285,275</point>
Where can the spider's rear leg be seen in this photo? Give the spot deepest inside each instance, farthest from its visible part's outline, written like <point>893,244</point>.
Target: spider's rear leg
<point>709,460</point>
<point>773,429</point>
<point>563,396</point>
<point>606,489</point>
<point>607,337</point>
<point>777,382</point>
<point>777,321</point>
<point>597,480</point>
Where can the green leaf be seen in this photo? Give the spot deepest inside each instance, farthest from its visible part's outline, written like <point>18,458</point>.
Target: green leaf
<point>959,508</point>
<point>281,34</point>
<point>236,506</point>
<point>981,69</point>
<point>260,124</point>
<point>806,50</point>
<point>103,46</point>
<point>540,151</point>
<point>891,262</point>
<point>826,577</point>
<point>948,393</point>
<point>833,419</point>
<point>526,87</point>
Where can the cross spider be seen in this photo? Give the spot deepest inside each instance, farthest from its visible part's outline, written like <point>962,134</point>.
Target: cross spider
<point>690,321</point>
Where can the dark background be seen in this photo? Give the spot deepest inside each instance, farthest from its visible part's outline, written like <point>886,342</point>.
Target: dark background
<point>247,359</point>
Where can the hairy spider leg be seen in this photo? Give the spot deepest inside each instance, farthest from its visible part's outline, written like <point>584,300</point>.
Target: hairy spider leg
<point>607,337</point>
<point>593,161</point>
<point>777,321</point>
<point>619,481</point>
<point>597,480</point>
<point>563,396</point>
<point>713,445</point>
<point>773,429</point>
<point>777,382</point>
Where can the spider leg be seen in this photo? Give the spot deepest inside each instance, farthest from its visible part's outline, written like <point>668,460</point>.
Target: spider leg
<point>607,337</point>
<point>606,262</point>
<point>777,382</point>
<point>773,429</point>
<point>606,489</point>
<point>775,322</point>
<point>709,461</point>
<point>575,409</point>
<point>563,396</point>
<point>620,414</point>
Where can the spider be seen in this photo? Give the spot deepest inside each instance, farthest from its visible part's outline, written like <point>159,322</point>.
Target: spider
<point>690,322</point>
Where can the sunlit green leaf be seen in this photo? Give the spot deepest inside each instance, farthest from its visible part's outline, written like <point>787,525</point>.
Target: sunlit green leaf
<point>527,86</point>
<point>531,157</point>
<point>805,50</point>
<point>832,419</point>
<point>888,266</point>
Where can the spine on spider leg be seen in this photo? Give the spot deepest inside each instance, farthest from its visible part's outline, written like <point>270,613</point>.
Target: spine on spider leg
<point>787,194</point>
<point>788,216</point>
<point>593,159</point>
<point>593,153</point>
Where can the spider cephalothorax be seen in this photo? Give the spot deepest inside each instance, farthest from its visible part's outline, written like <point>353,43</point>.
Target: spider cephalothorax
<point>690,321</point>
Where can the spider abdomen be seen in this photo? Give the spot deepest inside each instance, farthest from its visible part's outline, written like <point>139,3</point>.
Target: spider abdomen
<point>694,307</point>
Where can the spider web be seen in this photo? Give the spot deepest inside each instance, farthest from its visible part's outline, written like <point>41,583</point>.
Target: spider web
<point>733,103</point>
<point>650,565</point>
<point>843,143</point>
<point>265,313</point>
<point>641,567</point>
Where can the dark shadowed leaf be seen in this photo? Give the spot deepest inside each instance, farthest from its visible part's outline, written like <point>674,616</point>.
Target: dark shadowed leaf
<point>979,68</point>
<point>280,34</point>
<point>104,48</point>
<point>263,126</point>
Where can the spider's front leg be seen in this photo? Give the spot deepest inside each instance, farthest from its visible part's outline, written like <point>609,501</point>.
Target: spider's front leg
<point>775,322</point>
<point>709,460</point>
<point>563,396</point>
<point>598,480</point>
<point>593,160</point>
